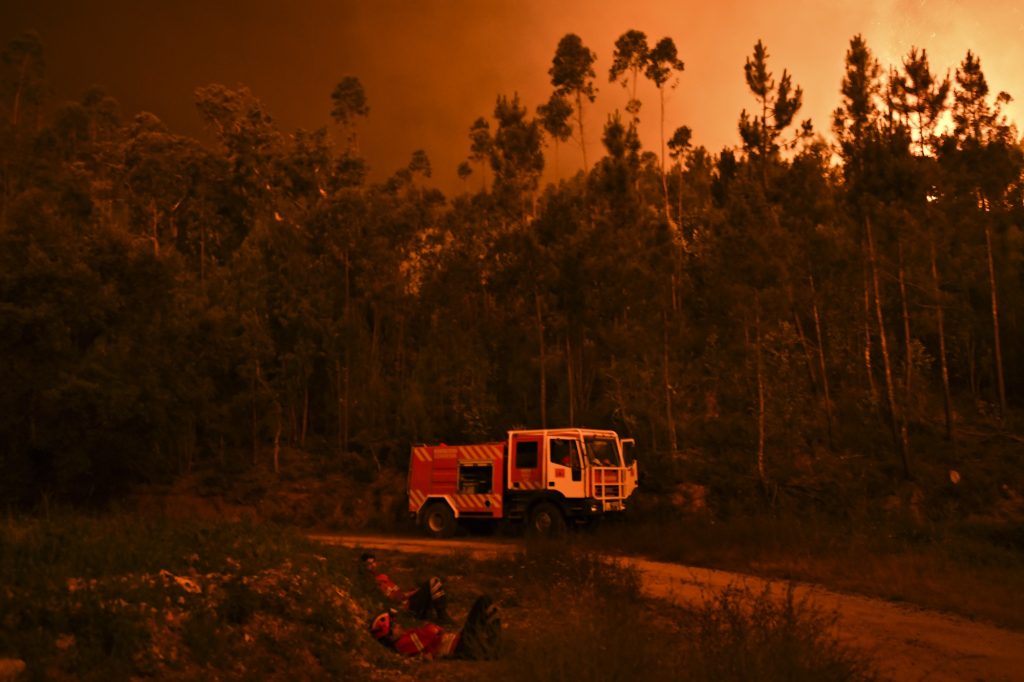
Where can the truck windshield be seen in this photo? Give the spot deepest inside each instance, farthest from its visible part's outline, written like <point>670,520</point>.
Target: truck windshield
<point>602,451</point>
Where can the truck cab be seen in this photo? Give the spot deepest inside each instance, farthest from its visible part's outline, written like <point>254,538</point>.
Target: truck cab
<point>581,472</point>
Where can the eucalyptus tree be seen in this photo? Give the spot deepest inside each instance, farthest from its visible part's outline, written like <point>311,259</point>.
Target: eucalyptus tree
<point>554,116</point>
<point>572,75</point>
<point>628,62</point>
<point>615,276</point>
<point>252,148</point>
<point>22,83</point>
<point>678,145</point>
<point>349,103</point>
<point>22,93</point>
<point>516,157</point>
<point>249,142</point>
<point>480,145</point>
<point>662,68</point>
<point>680,151</point>
<point>168,180</point>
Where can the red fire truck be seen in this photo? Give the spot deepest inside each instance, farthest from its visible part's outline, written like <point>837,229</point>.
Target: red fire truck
<point>548,478</point>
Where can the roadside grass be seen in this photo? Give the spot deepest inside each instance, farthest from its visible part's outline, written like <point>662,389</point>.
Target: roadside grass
<point>972,569</point>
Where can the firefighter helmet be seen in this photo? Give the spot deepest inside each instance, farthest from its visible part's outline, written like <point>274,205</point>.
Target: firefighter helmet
<point>381,625</point>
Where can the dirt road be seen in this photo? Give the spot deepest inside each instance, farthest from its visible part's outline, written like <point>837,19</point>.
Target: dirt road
<point>907,643</point>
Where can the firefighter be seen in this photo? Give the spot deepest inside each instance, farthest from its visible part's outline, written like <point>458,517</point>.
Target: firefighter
<point>479,639</point>
<point>428,596</point>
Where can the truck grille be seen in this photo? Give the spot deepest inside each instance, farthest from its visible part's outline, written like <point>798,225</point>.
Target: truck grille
<point>609,483</point>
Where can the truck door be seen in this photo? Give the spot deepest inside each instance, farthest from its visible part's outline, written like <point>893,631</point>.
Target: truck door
<point>525,471</point>
<point>565,467</point>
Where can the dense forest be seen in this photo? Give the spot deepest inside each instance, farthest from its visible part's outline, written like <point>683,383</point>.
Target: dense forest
<point>804,311</point>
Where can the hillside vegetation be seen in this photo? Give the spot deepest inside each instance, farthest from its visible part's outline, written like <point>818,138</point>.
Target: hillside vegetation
<point>803,321</point>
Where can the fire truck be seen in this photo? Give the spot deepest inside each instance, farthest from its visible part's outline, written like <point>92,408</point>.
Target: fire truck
<point>547,478</point>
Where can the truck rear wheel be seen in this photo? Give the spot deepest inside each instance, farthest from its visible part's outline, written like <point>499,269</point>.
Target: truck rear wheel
<point>438,520</point>
<point>546,520</point>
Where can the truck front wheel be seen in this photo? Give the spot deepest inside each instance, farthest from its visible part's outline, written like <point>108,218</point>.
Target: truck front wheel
<point>438,520</point>
<point>546,520</point>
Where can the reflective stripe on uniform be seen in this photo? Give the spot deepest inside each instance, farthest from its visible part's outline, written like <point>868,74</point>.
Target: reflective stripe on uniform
<point>449,641</point>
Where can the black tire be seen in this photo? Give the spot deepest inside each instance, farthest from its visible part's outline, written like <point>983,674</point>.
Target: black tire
<point>438,520</point>
<point>546,520</point>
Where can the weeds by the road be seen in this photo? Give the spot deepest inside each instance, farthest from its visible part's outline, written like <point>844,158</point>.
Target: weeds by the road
<point>574,615</point>
<point>973,570</point>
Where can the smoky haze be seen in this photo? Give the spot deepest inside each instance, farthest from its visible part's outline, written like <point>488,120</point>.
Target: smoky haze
<point>431,67</point>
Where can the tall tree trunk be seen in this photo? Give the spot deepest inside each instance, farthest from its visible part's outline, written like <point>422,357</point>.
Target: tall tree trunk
<point>664,177</point>
<point>941,327</point>
<point>868,365</point>
<point>570,380</point>
<point>305,415</point>
<point>899,438</point>
<point>827,397</point>
<point>997,347</point>
<point>154,228</point>
<point>908,370</point>
<point>340,394</point>
<point>907,344</point>
<point>345,395</point>
<point>579,120</point>
<point>805,346</point>
<point>278,422</point>
<point>254,422</point>
<point>543,362</point>
<point>679,214</point>
<point>669,412</point>
<point>202,253</point>
<point>762,476</point>
<point>16,107</point>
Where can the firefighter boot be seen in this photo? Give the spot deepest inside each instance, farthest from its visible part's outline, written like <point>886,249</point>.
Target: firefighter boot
<point>481,636</point>
<point>490,635</point>
<point>439,601</point>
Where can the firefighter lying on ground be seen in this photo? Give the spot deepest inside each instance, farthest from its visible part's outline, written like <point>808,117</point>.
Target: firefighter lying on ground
<point>429,595</point>
<point>479,639</point>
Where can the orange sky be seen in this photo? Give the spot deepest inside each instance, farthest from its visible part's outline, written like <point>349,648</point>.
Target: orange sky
<point>430,67</point>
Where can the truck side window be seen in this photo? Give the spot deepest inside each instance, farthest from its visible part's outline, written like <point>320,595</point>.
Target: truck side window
<point>526,454</point>
<point>475,478</point>
<point>564,452</point>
